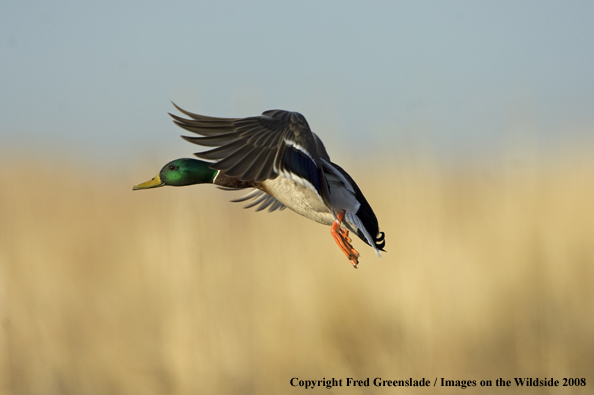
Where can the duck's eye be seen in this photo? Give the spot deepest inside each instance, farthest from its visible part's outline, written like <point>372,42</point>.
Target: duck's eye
<point>171,167</point>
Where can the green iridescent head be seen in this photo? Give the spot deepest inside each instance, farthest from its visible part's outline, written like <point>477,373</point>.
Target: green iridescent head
<point>181,172</point>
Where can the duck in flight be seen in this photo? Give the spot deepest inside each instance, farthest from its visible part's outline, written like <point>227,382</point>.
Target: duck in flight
<point>278,156</point>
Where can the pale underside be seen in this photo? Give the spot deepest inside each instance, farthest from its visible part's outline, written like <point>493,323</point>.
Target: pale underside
<point>299,198</point>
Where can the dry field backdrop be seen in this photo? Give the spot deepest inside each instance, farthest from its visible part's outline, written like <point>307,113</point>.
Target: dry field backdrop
<point>489,273</point>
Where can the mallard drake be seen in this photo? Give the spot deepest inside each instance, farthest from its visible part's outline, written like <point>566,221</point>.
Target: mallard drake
<point>286,164</point>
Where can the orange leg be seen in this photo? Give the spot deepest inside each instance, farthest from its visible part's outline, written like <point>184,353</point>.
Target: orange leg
<point>341,236</point>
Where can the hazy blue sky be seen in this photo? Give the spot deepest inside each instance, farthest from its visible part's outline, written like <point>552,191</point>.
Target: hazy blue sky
<point>96,77</point>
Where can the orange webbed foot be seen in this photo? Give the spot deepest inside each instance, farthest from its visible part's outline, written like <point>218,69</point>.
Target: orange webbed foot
<point>341,236</point>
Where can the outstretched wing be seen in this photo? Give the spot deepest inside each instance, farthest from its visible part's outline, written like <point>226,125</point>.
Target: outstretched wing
<point>260,148</point>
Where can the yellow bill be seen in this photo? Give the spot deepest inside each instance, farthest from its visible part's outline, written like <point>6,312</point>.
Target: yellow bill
<point>154,183</point>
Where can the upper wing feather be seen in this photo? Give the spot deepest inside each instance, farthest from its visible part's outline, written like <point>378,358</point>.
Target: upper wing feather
<point>254,148</point>
<point>260,148</point>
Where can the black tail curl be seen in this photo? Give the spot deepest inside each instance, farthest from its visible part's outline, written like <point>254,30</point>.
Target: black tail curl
<point>379,241</point>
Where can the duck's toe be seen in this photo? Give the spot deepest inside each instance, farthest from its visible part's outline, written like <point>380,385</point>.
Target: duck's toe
<point>341,236</point>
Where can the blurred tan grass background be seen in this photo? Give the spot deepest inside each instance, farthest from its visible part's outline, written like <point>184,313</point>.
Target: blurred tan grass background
<point>488,274</point>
